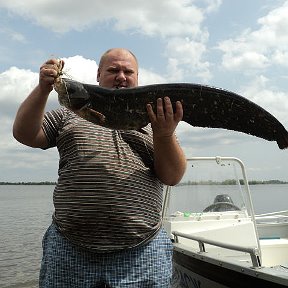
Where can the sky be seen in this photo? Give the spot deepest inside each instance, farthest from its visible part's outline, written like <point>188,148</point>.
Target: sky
<point>238,45</point>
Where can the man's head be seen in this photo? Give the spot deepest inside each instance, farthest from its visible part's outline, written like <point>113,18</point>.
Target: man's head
<point>118,68</point>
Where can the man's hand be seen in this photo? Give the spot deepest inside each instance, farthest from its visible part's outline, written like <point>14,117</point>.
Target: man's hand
<point>27,127</point>
<point>169,158</point>
<point>49,71</point>
<point>164,121</point>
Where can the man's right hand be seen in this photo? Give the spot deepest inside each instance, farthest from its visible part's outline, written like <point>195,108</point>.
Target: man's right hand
<point>49,71</point>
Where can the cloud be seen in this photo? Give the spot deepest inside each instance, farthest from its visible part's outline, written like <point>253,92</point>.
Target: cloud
<point>270,98</point>
<point>260,48</point>
<point>15,84</point>
<point>185,57</point>
<point>163,17</point>
<point>178,23</point>
<point>212,6</point>
<point>198,139</point>
<point>147,77</point>
<point>244,60</point>
<point>80,69</point>
<point>13,35</point>
<point>280,57</point>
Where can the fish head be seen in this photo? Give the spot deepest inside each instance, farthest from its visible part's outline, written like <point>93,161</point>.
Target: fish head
<point>71,94</point>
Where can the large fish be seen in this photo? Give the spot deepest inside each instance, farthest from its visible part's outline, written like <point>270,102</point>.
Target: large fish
<point>203,106</point>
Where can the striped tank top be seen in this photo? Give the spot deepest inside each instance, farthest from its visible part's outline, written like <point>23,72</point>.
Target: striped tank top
<point>107,197</point>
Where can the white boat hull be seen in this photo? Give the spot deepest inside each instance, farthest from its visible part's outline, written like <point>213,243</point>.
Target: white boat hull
<point>196,271</point>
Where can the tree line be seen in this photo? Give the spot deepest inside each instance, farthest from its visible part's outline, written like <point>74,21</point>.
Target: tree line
<point>232,182</point>
<point>28,183</point>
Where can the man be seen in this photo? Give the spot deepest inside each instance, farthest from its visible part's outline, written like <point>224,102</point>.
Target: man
<point>107,222</point>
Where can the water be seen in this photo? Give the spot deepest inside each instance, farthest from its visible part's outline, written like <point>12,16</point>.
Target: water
<point>26,212</point>
<point>269,198</point>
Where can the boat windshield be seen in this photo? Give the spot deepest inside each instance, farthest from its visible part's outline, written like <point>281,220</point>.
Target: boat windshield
<point>210,184</point>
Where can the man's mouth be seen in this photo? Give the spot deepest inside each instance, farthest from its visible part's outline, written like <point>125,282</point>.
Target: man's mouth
<point>120,87</point>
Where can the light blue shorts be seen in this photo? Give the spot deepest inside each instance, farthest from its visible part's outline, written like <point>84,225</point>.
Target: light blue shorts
<point>67,266</point>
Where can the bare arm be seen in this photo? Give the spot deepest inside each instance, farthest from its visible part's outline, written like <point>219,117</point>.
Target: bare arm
<point>29,118</point>
<point>169,158</point>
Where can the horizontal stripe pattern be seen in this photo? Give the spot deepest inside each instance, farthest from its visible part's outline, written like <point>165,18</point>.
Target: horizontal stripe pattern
<point>107,197</point>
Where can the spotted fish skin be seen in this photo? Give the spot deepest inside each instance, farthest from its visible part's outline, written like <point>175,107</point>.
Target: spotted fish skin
<point>203,106</point>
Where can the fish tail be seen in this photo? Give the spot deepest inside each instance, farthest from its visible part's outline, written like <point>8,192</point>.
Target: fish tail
<point>283,140</point>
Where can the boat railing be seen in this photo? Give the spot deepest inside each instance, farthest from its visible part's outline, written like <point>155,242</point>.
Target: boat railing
<point>253,251</point>
<point>275,213</point>
<point>273,217</point>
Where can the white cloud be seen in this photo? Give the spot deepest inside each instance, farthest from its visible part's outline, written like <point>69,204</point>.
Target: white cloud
<point>157,17</point>
<point>178,23</point>
<point>260,48</point>
<point>147,77</point>
<point>80,69</point>
<point>247,60</point>
<point>15,84</point>
<point>274,101</point>
<point>163,17</point>
<point>185,58</point>
<point>13,35</point>
<point>280,57</point>
<point>212,6</point>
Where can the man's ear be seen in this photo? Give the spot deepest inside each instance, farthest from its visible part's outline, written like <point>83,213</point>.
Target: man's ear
<point>98,75</point>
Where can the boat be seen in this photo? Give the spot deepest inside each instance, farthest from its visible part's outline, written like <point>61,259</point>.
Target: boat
<point>218,240</point>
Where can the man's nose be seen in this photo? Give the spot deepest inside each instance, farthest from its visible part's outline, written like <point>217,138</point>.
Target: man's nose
<point>121,76</point>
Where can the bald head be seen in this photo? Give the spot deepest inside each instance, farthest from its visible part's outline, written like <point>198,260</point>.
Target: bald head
<point>118,68</point>
<point>116,52</point>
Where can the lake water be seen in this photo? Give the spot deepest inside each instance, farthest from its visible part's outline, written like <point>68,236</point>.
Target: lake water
<point>26,212</point>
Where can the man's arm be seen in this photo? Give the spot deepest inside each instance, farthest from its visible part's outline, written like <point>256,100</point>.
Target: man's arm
<point>169,158</point>
<point>27,127</point>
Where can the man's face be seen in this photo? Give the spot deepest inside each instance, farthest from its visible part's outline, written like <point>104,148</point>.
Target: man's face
<point>119,69</point>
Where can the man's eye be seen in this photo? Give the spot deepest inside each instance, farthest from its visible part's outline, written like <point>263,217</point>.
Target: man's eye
<point>113,70</point>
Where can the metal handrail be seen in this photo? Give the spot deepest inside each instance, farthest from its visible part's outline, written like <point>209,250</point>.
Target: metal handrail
<point>253,251</point>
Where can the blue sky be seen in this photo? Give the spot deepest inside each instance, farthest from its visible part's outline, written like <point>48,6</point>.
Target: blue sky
<point>238,45</point>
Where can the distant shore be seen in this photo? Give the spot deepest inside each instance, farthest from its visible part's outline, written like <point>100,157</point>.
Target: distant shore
<point>225,182</point>
<point>28,183</point>
<point>233,182</point>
